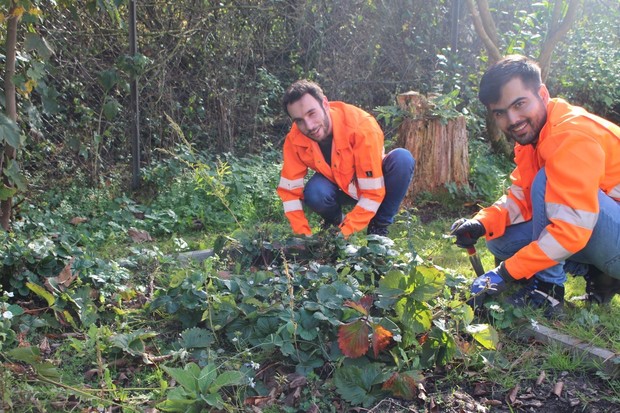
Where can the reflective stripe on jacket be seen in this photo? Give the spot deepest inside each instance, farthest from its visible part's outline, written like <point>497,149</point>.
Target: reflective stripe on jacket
<point>357,156</point>
<point>581,154</point>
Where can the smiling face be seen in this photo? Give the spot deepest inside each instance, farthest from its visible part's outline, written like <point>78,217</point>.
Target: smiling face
<point>311,117</point>
<point>520,111</point>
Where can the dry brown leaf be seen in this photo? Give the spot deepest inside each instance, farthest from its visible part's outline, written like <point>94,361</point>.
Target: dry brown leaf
<point>481,389</point>
<point>63,280</point>
<point>44,346</point>
<point>541,378</point>
<point>557,388</point>
<point>138,235</point>
<point>433,408</point>
<point>511,397</point>
<point>257,400</point>
<point>14,367</point>
<point>296,380</point>
<point>77,220</point>
<point>492,402</point>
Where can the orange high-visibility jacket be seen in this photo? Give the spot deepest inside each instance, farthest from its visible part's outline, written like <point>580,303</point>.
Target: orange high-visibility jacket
<point>357,155</point>
<point>581,154</point>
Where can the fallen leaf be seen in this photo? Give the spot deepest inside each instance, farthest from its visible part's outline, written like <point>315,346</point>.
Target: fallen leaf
<point>492,402</point>
<point>541,378</point>
<point>511,397</point>
<point>77,220</point>
<point>481,389</point>
<point>557,389</point>
<point>44,346</point>
<point>138,235</point>
<point>257,400</point>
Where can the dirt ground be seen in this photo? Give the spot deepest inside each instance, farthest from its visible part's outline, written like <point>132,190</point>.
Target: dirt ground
<point>577,393</point>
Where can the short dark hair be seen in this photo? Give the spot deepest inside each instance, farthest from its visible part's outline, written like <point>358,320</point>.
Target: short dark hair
<point>500,73</point>
<point>300,88</point>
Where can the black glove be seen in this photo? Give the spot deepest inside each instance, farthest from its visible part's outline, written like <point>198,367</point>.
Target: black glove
<point>467,231</point>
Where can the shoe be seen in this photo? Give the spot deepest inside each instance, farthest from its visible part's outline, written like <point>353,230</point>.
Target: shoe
<point>375,229</point>
<point>600,287</point>
<point>540,294</point>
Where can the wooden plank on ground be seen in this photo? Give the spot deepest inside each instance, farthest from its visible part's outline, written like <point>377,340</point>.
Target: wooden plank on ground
<point>606,360</point>
<point>198,256</point>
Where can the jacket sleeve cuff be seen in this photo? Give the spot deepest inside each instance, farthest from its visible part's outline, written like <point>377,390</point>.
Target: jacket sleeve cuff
<point>503,272</point>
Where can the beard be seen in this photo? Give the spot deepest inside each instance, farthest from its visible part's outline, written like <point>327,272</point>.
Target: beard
<point>321,131</point>
<point>527,131</point>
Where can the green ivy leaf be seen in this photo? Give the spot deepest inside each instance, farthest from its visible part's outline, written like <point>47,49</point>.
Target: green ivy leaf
<point>35,42</point>
<point>14,174</point>
<point>6,192</point>
<point>9,131</point>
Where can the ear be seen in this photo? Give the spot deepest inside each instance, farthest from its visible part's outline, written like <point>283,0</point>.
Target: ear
<point>325,104</point>
<point>543,92</point>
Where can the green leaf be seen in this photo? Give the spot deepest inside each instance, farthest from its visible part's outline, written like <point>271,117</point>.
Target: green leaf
<point>186,377</point>
<point>428,282</point>
<point>206,377</point>
<point>6,192</point>
<point>41,292</point>
<point>108,79</point>
<point>35,42</point>
<point>28,355</point>
<point>227,378</point>
<point>12,171</point>
<point>196,338</point>
<point>111,108</point>
<point>355,385</point>
<point>9,131</point>
<point>484,334</point>
<point>391,287</point>
<point>214,399</point>
<point>415,316</point>
<point>47,370</point>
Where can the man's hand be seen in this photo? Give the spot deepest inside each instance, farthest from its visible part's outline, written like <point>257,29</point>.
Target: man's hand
<point>492,282</point>
<point>467,232</point>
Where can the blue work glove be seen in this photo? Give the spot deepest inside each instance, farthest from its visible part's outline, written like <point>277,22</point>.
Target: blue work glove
<point>467,232</point>
<point>492,282</point>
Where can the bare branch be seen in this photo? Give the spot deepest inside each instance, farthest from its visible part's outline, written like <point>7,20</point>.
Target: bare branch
<point>555,36</point>
<point>492,48</point>
<point>487,20</point>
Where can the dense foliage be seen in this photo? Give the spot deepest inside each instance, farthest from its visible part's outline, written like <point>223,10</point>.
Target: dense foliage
<point>217,70</point>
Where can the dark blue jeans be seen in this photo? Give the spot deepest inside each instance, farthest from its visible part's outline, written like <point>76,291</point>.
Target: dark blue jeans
<point>326,199</point>
<point>602,250</point>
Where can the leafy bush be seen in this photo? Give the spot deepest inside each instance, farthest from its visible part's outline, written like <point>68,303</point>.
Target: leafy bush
<point>586,72</point>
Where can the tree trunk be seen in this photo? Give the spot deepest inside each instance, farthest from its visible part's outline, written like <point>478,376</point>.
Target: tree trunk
<point>6,206</point>
<point>438,146</point>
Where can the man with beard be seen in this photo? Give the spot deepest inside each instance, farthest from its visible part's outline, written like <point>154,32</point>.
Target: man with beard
<point>344,146</point>
<point>562,211</point>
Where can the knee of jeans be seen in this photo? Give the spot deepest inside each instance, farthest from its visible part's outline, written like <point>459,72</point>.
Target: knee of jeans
<point>318,200</point>
<point>400,158</point>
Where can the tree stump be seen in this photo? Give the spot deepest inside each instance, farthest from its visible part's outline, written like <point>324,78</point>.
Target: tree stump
<point>438,146</point>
